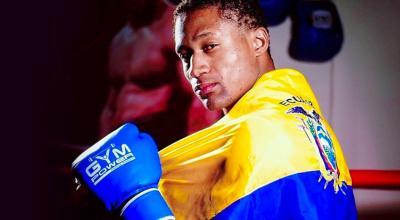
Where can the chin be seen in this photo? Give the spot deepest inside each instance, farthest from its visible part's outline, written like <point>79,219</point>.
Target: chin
<point>212,106</point>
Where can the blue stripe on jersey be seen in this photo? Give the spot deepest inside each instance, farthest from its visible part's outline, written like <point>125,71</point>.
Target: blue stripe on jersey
<point>299,196</point>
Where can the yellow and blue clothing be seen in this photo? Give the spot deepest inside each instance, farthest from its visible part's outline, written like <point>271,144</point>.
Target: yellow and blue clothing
<point>272,156</point>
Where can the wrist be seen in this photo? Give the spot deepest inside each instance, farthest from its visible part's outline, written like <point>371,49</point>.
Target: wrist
<point>147,205</point>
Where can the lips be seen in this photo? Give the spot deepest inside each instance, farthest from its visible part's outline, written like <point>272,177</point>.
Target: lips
<point>203,89</point>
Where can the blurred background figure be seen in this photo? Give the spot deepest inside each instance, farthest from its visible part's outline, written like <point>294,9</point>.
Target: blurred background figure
<point>146,80</point>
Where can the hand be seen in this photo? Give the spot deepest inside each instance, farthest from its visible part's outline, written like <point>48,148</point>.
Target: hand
<point>123,170</point>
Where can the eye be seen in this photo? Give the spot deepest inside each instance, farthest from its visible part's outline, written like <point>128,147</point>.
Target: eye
<point>209,47</point>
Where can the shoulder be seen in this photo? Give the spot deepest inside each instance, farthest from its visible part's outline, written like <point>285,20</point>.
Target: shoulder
<point>271,142</point>
<point>267,129</point>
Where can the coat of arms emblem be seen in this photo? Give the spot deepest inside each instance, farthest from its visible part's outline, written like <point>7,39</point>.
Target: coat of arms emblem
<point>313,126</point>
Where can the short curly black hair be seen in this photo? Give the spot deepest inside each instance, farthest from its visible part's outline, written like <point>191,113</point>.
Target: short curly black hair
<point>247,13</point>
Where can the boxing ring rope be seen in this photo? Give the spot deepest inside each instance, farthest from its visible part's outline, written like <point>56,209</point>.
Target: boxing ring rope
<point>376,179</point>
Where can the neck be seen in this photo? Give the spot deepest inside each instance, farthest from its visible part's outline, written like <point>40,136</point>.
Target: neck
<point>266,65</point>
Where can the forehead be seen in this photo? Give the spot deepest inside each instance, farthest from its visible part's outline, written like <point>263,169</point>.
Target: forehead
<point>192,24</point>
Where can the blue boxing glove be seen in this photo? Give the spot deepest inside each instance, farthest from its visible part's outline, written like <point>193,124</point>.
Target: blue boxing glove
<point>123,170</point>
<point>275,11</point>
<point>317,33</point>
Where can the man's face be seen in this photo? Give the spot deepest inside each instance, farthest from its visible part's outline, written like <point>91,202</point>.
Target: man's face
<point>217,55</point>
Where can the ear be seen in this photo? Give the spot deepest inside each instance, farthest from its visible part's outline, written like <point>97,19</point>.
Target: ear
<point>260,41</point>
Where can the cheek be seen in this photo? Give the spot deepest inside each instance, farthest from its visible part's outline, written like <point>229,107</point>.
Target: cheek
<point>238,79</point>
<point>232,57</point>
<point>228,66</point>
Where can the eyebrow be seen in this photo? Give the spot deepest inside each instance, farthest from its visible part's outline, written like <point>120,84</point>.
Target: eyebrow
<point>202,35</point>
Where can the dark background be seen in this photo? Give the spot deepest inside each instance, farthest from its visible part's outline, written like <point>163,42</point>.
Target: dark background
<point>54,55</point>
<point>81,32</point>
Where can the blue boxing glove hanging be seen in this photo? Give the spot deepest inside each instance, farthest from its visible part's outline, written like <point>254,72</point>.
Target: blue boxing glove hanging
<point>317,34</point>
<point>276,11</point>
<point>123,170</point>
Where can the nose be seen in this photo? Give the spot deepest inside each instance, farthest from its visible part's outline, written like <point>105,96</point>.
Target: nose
<point>199,65</point>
